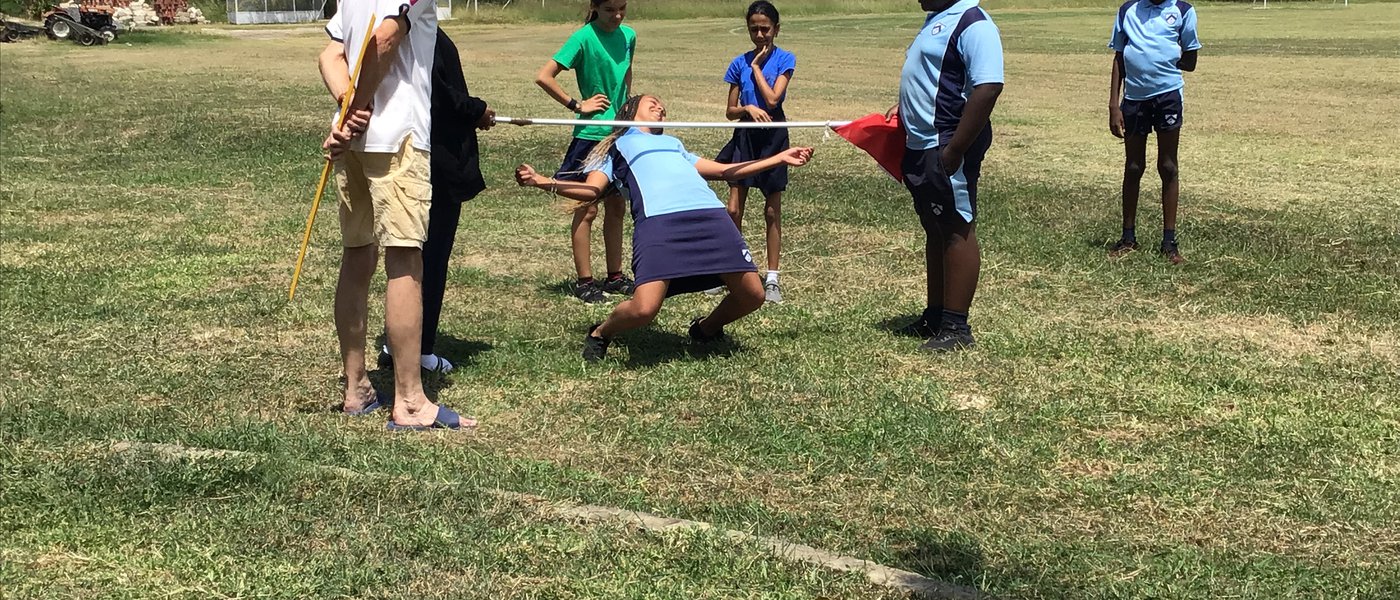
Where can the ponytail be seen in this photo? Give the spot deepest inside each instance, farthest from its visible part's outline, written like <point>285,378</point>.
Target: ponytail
<point>592,14</point>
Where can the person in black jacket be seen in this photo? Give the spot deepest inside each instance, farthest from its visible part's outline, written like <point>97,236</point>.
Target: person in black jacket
<point>456,178</point>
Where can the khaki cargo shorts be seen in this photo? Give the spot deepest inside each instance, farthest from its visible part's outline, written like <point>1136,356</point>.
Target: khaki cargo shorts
<point>384,198</point>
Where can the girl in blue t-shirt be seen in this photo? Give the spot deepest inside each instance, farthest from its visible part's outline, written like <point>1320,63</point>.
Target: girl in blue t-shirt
<point>683,239</point>
<point>758,81</point>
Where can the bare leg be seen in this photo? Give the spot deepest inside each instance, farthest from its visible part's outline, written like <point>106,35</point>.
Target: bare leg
<point>580,232</point>
<point>773,219</point>
<point>935,245</point>
<point>351,316</point>
<point>738,197</point>
<point>963,264</point>
<point>1134,164</point>
<point>614,209</point>
<point>745,296</point>
<point>403,321</point>
<point>1167,143</point>
<point>635,312</point>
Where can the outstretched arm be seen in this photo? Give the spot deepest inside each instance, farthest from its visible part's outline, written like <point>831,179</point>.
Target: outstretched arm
<point>581,191</point>
<point>712,170</point>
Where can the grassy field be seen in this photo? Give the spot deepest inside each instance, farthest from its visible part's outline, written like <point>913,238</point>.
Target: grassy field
<point>1225,429</point>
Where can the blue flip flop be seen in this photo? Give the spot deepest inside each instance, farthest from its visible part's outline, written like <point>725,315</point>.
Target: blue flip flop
<point>446,419</point>
<point>380,401</point>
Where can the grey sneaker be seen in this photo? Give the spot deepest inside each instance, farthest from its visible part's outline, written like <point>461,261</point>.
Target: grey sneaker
<point>773,293</point>
<point>715,291</point>
<point>589,293</point>
<point>948,340</point>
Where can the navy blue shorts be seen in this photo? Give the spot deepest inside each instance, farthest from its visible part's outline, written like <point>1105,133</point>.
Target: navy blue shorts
<point>757,144</point>
<point>575,158</point>
<point>1162,113</point>
<point>690,249</point>
<point>949,198</point>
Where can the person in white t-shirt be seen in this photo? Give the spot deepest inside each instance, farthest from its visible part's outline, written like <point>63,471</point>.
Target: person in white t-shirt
<point>382,174</point>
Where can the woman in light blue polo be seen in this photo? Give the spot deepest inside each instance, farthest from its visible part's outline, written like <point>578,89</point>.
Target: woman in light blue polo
<point>683,239</point>
<point>951,79</point>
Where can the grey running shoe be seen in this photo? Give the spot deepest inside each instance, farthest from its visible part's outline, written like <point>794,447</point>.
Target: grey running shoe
<point>589,293</point>
<point>773,293</point>
<point>622,285</point>
<point>948,340</point>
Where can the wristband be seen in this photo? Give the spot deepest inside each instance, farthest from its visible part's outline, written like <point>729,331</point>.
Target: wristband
<point>572,105</point>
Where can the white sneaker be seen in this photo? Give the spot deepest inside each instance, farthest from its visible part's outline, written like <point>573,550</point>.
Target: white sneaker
<point>715,291</point>
<point>772,293</point>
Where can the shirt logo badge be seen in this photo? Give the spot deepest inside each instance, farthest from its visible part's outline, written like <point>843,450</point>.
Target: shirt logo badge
<point>1171,19</point>
<point>937,29</point>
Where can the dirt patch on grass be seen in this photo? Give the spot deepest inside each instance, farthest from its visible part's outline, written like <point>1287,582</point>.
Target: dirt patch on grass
<point>1328,338</point>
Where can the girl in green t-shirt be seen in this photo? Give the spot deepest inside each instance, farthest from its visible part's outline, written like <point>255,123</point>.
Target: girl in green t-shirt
<point>600,54</point>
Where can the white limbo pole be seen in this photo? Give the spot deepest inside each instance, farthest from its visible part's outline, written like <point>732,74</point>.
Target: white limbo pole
<point>675,124</point>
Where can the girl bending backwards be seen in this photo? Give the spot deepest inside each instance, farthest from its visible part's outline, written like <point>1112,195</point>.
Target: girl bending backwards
<point>683,240</point>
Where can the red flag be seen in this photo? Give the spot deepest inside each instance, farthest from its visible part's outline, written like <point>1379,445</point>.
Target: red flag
<point>882,140</point>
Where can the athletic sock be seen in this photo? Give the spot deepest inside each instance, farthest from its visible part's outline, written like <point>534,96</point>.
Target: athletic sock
<point>584,281</point>
<point>772,277</point>
<point>1130,234</point>
<point>614,275</point>
<point>1168,236</point>
<point>933,315</point>
<point>955,320</point>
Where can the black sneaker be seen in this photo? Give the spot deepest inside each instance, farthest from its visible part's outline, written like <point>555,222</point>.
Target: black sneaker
<point>589,292</point>
<point>594,348</point>
<point>622,285</point>
<point>1123,248</point>
<point>920,328</point>
<point>1172,253</point>
<point>949,339</point>
<point>699,337</point>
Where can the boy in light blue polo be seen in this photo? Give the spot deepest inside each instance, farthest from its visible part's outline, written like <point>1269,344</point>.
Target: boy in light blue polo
<point>1153,42</point>
<point>951,79</point>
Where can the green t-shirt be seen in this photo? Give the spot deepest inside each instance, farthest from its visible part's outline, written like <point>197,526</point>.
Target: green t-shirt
<point>600,61</point>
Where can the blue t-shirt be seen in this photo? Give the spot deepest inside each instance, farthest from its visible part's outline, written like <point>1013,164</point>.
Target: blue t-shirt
<point>657,175</point>
<point>740,73</point>
<point>1152,38</point>
<point>955,51</point>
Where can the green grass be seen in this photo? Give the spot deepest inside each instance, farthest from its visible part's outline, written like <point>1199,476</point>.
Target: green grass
<point>570,11</point>
<point>1124,430</point>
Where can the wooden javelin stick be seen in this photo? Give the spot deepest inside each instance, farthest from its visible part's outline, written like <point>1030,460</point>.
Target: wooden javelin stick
<point>326,170</point>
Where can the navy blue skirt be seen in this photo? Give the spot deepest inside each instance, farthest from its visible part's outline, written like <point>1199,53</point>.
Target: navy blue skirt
<point>757,144</point>
<point>690,249</point>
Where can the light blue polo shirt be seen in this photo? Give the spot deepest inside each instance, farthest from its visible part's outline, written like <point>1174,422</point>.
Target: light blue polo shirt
<point>657,175</point>
<point>1152,38</point>
<point>740,73</point>
<point>955,51</point>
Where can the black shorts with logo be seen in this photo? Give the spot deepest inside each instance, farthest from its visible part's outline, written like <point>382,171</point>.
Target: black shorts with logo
<point>949,198</point>
<point>1162,112</point>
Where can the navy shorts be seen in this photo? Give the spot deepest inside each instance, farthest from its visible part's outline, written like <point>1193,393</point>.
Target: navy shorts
<point>575,159</point>
<point>949,198</point>
<point>758,144</point>
<point>1161,112</point>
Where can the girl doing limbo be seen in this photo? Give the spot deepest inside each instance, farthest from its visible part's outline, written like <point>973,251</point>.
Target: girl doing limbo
<point>683,240</point>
